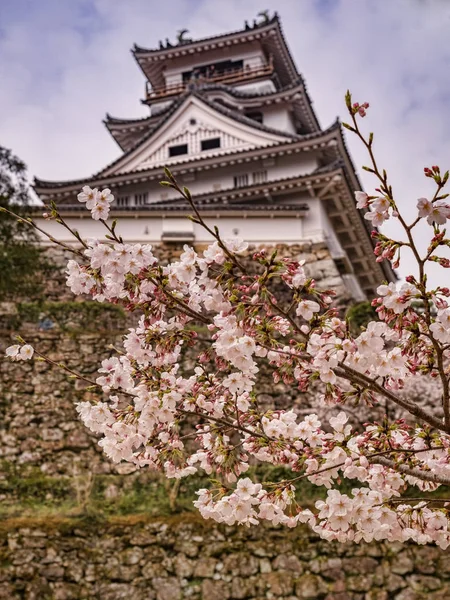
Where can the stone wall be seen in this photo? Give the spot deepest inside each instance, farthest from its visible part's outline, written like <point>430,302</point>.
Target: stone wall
<point>138,559</point>
<point>39,424</point>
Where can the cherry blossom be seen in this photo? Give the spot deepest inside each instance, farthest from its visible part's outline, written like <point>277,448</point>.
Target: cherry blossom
<point>243,323</point>
<point>18,352</point>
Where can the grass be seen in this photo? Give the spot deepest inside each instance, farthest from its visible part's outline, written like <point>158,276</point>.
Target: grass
<point>142,494</point>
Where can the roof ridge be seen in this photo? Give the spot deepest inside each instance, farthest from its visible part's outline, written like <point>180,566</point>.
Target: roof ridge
<point>228,112</point>
<point>318,171</point>
<point>242,94</point>
<point>141,50</point>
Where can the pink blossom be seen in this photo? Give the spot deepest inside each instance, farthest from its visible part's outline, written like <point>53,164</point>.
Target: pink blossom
<point>307,308</point>
<point>362,199</point>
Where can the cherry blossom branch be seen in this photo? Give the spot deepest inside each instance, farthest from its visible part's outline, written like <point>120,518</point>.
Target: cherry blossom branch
<point>28,221</point>
<point>387,190</point>
<point>412,471</point>
<point>351,375</point>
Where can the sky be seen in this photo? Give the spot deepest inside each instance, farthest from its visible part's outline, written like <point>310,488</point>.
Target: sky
<point>65,63</point>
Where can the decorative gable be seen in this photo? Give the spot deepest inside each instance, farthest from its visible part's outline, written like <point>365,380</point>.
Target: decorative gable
<point>191,135</point>
<point>194,130</point>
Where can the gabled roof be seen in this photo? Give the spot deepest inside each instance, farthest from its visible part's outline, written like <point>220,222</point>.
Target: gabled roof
<point>265,135</point>
<point>269,34</point>
<point>130,132</point>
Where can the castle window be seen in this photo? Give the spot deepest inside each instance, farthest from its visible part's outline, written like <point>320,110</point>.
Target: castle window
<point>213,70</point>
<point>259,177</point>
<point>210,144</point>
<point>343,265</point>
<point>123,200</point>
<point>241,180</point>
<point>178,150</point>
<point>256,116</point>
<point>140,199</point>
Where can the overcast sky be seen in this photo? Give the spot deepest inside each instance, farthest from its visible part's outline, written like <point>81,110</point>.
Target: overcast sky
<point>65,63</point>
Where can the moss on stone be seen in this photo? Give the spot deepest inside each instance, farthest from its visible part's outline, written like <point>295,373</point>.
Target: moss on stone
<point>67,316</point>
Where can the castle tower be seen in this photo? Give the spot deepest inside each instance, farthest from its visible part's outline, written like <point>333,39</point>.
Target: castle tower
<point>231,117</point>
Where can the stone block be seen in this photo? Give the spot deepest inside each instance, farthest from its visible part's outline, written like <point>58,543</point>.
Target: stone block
<point>184,567</point>
<point>214,590</point>
<point>122,591</point>
<point>423,583</point>
<point>376,595</point>
<point>394,582</point>
<point>362,565</point>
<point>131,556</point>
<point>52,572</point>
<point>426,560</point>
<point>205,567</point>
<point>278,583</point>
<point>402,564</point>
<point>288,562</point>
<point>310,586</point>
<point>264,565</point>
<point>151,570</point>
<point>167,589</point>
<point>240,563</point>
<point>409,594</point>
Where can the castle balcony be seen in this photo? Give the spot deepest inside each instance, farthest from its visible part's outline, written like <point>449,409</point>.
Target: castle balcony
<point>231,76</point>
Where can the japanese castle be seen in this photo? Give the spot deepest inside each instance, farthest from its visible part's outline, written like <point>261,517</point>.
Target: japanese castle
<point>231,117</point>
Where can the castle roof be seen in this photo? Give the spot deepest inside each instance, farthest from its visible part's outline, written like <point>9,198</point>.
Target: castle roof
<point>268,33</point>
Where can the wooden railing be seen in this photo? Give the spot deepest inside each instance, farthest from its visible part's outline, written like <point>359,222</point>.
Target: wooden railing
<point>226,77</point>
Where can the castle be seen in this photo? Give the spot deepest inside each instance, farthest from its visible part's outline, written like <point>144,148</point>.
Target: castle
<point>231,117</point>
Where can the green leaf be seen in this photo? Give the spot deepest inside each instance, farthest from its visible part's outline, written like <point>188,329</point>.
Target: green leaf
<point>348,99</point>
<point>349,127</point>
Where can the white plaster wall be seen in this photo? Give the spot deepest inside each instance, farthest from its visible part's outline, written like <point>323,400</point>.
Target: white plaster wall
<point>259,230</point>
<point>317,226</point>
<point>265,86</point>
<point>219,179</point>
<point>314,226</point>
<point>279,118</point>
<point>333,242</point>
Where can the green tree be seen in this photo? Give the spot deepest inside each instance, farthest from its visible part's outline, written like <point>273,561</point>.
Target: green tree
<point>21,260</point>
<point>360,315</point>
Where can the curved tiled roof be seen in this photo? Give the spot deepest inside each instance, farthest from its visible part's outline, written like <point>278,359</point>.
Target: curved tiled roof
<point>110,120</point>
<point>237,116</point>
<point>184,207</point>
<point>237,93</point>
<point>206,87</point>
<point>269,33</point>
<point>119,125</point>
<point>317,135</point>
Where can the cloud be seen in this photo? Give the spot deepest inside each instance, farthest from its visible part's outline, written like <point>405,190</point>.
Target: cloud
<point>63,65</point>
